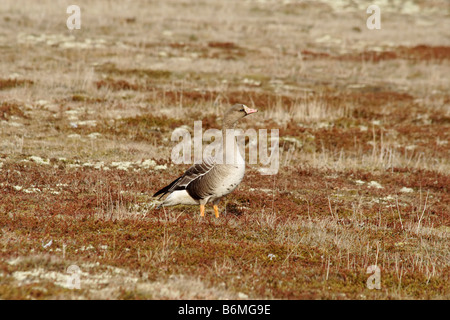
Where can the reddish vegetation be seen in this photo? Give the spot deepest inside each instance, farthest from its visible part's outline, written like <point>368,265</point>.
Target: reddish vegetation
<point>117,85</point>
<point>421,52</point>
<point>87,211</point>
<point>223,45</point>
<point>11,83</point>
<point>308,54</point>
<point>189,98</point>
<point>8,109</point>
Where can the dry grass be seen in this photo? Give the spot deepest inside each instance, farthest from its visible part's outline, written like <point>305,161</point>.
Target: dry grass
<point>85,124</point>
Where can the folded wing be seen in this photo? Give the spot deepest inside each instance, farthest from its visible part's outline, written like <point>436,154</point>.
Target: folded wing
<point>193,173</point>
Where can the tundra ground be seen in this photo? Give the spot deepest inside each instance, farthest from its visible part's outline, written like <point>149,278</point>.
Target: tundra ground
<point>86,118</point>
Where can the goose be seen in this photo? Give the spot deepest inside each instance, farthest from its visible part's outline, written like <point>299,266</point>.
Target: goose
<point>210,180</point>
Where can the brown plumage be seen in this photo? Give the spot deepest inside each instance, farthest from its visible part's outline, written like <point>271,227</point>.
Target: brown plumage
<point>209,181</point>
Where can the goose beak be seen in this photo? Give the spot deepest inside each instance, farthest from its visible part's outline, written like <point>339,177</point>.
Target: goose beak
<point>249,110</point>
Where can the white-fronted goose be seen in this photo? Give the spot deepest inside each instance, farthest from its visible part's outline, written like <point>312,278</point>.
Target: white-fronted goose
<point>210,180</point>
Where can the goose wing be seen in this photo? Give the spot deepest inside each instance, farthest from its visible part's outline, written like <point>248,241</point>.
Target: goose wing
<point>192,174</point>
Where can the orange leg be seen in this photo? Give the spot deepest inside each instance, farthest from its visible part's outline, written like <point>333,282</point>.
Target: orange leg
<point>202,210</point>
<point>216,210</point>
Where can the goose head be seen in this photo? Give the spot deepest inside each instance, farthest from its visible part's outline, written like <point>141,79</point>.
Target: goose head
<point>235,113</point>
